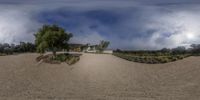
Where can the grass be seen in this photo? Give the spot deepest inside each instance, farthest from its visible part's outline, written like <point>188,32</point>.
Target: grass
<point>150,59</point>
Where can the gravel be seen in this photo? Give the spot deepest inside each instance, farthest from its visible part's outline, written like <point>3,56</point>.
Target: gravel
<point>98,77</point>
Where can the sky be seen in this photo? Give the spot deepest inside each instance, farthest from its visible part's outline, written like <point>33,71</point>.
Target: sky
<point>127,24</point>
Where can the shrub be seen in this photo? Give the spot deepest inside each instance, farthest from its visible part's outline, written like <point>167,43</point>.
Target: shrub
<point>68,58</point>
<point>164,60</point>
<point>174,58</point>
<point>180,56</point>
<point>150,59</point>
<point>72,60</point>
<point>61,57</point>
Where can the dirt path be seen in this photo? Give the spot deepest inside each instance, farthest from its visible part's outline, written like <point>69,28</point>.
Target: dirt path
<point>98,77</point>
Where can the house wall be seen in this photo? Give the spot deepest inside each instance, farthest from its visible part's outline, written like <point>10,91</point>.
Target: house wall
<point>108,51</point>
<point>75,49</point>
<point>91,49</point>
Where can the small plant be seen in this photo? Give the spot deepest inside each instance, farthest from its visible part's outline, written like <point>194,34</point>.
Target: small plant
<point>72,60</point>
<point>61,57</point>
<point>150,58</point>
<point>68,58</point>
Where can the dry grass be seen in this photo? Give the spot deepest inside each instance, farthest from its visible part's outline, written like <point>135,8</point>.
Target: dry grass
<point>149,59</point>
<point>98,77</point>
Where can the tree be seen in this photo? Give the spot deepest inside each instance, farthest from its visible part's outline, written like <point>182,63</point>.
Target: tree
<point>1,48</point>
<point>118,50</point>
<point>103,45</point>
<point>51,37</point>
<point>179,50</point>
<point>165,50</point>
<point>195,48</point>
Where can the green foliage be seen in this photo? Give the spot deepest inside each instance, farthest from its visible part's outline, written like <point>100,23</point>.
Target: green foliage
<point>103,45</point>
<point>51,37</point>
<point>195,50</point>
<point>25,47</point>
<point>61,57</point>
<point>68,58</point>
<point>72,60</point>
<point>179,50</point>
<point>6,49</point>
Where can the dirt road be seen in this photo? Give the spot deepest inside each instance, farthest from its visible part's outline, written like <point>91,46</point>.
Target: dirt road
<point>98,77</point>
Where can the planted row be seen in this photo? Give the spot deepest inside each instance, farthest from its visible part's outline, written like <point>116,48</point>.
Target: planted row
<point>150,59</point>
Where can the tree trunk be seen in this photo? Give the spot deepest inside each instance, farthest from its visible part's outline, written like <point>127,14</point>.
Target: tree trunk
<point>54,53</point>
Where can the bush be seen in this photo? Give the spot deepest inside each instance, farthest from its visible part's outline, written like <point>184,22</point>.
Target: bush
<point>180,56</point>
<point>61,57</point>
<point>174,58</point>
<point>68,58</point>
<point>164,60</point>
<point>72,60</point>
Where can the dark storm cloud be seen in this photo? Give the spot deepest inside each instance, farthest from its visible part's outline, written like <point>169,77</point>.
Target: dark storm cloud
<point>127,24</point>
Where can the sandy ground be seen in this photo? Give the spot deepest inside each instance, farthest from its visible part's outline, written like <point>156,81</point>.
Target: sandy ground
<point>98,77</point>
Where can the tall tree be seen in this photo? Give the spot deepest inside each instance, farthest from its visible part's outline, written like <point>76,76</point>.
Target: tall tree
<point>103,45</point>
<point>51,37</point>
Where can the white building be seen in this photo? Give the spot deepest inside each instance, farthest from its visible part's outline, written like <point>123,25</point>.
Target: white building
<point>93,49</point>
<point>108,51</point>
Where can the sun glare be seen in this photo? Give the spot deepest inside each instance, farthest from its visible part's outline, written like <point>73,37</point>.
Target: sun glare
<point>190,36</point>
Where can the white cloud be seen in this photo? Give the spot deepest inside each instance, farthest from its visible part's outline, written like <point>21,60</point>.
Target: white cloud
<point>92,38</point>
<point>16,26</point>
<point>172,25</point>
<point>171,29</point>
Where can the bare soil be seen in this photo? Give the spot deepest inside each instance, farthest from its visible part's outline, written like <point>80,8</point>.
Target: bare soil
<point>98,77</point>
